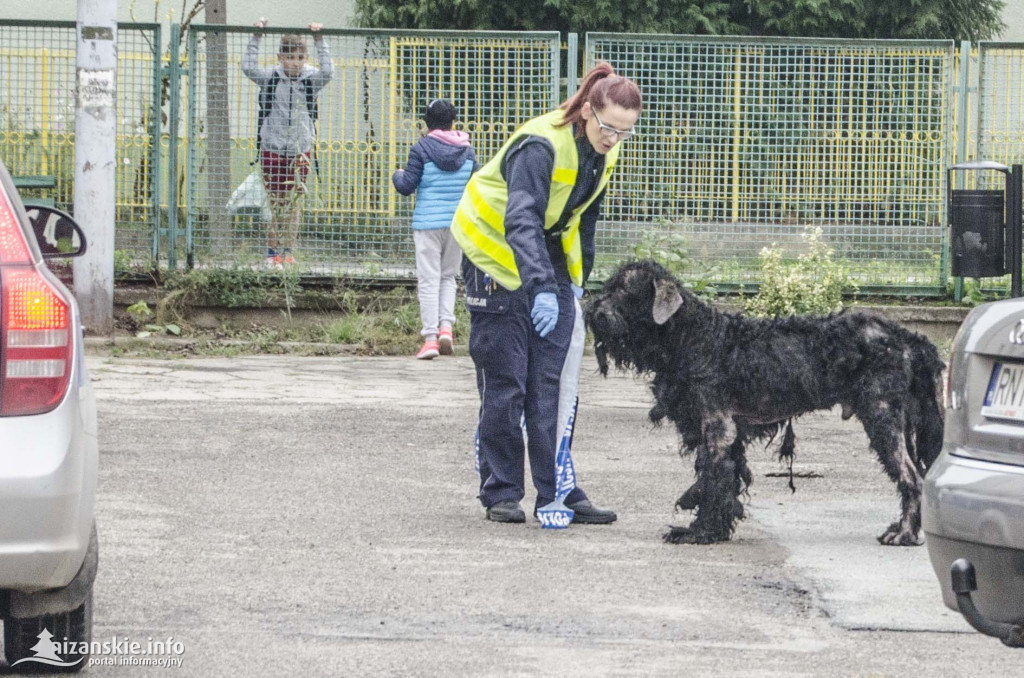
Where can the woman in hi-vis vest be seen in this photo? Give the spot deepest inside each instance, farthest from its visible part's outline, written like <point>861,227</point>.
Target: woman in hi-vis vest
<point>526,226</point>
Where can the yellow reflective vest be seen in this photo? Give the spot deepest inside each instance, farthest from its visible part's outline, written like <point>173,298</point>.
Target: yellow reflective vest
<point>479,226</point>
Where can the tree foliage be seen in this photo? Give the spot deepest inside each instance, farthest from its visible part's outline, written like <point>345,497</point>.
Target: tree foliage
<point>897,19</point>
<point>641,16</point>
<point>848,18</point>
<point>972,19</point>
<point>878,19</point>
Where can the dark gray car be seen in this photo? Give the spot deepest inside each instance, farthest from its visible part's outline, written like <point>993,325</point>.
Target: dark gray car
<point>973,508</point>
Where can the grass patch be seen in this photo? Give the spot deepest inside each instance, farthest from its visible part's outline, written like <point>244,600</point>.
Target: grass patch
<point>267,313</point>
<point>389,325</point>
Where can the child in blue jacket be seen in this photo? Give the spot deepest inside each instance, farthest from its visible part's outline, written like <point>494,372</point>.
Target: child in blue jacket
<point>439,166</point>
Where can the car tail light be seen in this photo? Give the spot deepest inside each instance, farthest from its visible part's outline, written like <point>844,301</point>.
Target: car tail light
<point>952,399</point>
<point>948,391</point>
<point>35,327</point>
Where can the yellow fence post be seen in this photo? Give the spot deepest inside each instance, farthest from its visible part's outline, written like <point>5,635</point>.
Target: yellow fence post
<point>737,136</point>
<point>392,152</point>
<point>44,127</point>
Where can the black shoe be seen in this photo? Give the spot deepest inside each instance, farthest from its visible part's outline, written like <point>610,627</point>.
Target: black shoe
<point>507,512</point>
<point>586,513</point>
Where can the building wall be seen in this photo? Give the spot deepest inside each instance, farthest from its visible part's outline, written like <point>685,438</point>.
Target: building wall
<point>1013,17</point>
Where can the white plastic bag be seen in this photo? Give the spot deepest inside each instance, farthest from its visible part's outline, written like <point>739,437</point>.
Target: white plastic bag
<point>250,197</point>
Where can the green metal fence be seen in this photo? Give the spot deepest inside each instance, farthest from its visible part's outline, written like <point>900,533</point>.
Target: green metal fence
<point>352,219</point>
<point>37,120</point>
<point>743,142</point>
<point>747,142</point>
<point>1001,102</point>
<point>37,106</point>
<point>989,100</point>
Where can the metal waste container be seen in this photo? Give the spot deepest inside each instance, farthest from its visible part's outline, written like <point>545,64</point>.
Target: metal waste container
<point>977,224</point>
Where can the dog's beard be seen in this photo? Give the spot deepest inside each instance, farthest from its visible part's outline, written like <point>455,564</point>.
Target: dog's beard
<point>611,342</point>
<point>613,351</point>
<point>600,325</point>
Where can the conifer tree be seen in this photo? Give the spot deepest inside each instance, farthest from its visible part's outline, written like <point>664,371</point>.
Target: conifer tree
<point>46,648</point>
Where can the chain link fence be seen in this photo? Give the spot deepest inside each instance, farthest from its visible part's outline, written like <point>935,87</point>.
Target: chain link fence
<point>1000,102</point>
<point>37,120</point>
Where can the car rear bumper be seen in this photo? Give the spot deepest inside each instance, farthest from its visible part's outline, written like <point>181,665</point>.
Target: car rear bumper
<point>48,466</point>
<point>975,510</point>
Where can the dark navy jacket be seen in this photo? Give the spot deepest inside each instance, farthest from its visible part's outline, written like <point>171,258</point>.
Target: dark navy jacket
<point>528,168</point>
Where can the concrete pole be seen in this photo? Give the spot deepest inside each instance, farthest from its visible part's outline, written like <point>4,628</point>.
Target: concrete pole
<point>218,130</point>
<point>95,161</point>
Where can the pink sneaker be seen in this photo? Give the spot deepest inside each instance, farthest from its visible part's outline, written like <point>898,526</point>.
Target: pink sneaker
<point>428,350</point>
<point>445,341</point>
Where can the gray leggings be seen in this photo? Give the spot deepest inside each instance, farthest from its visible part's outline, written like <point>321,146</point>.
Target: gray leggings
<point>437,262</point>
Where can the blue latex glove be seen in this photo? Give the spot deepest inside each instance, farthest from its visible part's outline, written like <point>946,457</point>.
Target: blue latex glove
<point>576,291</point>
<point>544,313</point>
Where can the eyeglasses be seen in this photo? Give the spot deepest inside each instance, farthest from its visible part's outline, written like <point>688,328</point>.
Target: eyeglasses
<point>609,131</point>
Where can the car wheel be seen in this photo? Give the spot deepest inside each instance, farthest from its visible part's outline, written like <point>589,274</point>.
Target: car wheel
<point>35,644</point>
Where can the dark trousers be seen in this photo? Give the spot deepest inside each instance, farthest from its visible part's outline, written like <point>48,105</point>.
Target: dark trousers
<point>518,375</point>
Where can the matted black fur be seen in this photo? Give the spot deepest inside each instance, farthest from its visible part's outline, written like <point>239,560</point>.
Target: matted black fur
<point>725,380</point>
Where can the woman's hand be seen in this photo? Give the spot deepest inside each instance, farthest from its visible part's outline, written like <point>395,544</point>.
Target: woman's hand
<point>544,313</point>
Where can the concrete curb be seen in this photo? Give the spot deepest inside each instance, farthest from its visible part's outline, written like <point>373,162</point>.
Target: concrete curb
<point>104,345</point>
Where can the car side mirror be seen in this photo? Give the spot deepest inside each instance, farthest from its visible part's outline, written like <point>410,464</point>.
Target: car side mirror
<point>56,232</point>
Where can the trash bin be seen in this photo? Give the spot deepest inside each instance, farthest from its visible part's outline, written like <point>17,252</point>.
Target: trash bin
<point>977,232</point>
<point>977,223</point>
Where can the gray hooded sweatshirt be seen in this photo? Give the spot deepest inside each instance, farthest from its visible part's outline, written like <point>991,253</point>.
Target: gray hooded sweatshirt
<point>288,128</point>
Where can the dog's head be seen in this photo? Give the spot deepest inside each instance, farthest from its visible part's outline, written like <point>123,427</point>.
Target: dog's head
<point>625,317</point>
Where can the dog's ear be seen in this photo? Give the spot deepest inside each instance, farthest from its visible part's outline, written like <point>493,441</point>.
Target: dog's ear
<point>667,300</point>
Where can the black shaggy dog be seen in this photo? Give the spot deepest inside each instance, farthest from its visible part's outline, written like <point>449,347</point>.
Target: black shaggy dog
<point>726,380</point>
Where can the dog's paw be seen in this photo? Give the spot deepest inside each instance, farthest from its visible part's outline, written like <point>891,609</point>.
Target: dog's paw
<point>897,536</point>
<point>688,535</point>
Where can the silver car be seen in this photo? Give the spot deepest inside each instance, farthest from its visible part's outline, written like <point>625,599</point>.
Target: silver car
<point>973,508</point>
<point>48,445</point>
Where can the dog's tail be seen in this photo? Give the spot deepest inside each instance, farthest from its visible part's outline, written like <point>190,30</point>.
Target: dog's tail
<point>925,422</point>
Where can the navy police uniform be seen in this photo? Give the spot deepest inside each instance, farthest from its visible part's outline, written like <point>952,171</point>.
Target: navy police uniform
<point>518,371</point>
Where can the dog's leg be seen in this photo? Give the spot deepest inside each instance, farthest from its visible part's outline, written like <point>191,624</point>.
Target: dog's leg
<point>717,488</point>
<point>742,477</point>
<point>738,454</point>
<point>690,499</point>
<point>884,424</point>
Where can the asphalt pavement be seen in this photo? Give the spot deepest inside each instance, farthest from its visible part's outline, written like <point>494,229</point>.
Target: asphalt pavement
<point>282,516</point>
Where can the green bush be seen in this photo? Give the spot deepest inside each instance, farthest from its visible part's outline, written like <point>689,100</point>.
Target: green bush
<point>669,250</point>
<point>813,284</point>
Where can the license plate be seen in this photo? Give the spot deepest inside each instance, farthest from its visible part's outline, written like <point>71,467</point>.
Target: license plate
<point>1004,398</point>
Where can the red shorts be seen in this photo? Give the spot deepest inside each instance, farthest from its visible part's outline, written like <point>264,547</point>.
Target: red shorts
<point>280,172</point>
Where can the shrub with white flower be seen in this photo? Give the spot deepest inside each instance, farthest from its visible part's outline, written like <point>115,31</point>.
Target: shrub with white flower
<point>813,284</point>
